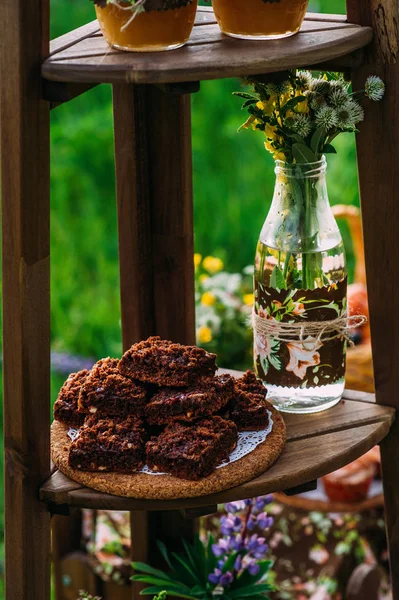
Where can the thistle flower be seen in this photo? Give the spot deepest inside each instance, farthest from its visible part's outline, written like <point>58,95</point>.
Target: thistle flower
<point>301,124</point>
<point>303,79</point>
<point>338,95</point>
<point>374,88</point>
<point>316,100</point>
<point>320,86</point>
<point>349,114</point>
<point>326,117</point>
<point>278,88</point>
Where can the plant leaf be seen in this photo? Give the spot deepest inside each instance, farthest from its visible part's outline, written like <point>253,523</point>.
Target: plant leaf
<point>249,102</point>
<point>246,95</point>
<point>144,568</point>
<point>250,590</point>
<point>277,280</point>
<point>186,566</point>
<point>194,563</point>
<point>303,154</point>
<point>211,560</point>
<point>316,138</point>
<point>152,591</point>
<point>163,550</point>
<point>329,149</point>
<point>292,103</point>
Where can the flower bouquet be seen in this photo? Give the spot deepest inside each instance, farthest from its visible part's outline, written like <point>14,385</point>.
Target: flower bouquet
<point>300,311</point>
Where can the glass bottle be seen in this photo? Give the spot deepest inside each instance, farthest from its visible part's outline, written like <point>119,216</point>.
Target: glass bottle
<point>300,277</point>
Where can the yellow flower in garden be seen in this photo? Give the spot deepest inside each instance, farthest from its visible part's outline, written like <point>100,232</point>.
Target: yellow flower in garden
<point>204,335</point>
<point>197,260</point>
<point>203,277</point>
<point>248,299</point>
<point>212,264</point>
<point>269,146</point>
<point>260,105</point>
<point>208,299</point>
<point>279,156</point>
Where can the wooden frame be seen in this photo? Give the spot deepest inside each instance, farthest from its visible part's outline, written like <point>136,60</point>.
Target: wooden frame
<point>156,239</point>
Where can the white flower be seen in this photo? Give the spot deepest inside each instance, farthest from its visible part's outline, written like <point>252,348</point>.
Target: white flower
<point>374,88</point>
<point>304,79</point>
<point>249,270</point>
<point>229,282</point>
<point>349,114</point>
<point>316,101</point>
<point>358,112</point>
<point>326,117</point>
<point>302,356</point>
<point>320,86</point>
<point>338,94</point>
<point>301,124</point>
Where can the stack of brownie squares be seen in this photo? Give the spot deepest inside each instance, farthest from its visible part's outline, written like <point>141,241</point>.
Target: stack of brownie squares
<point>162,405</point>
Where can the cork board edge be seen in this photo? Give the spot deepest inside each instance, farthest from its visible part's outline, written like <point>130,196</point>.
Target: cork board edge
<point>167,487</point>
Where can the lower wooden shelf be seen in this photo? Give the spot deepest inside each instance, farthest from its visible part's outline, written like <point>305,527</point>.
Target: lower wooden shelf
<point>316,445</point>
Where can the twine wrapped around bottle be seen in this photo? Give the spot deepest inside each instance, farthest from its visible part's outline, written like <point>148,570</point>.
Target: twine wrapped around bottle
<point>310,333</point>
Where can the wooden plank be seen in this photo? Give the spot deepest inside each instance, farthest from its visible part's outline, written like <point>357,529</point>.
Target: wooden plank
<point>379,181</point>
<point>204,60</point>
<point>302,461</point>
<point>26,310</point>
<point>72,37</point>
<point>57,92</point>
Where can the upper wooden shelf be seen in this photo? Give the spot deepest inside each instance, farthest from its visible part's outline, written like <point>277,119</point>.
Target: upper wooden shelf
<point>83,56</point>
<point>317,444</point>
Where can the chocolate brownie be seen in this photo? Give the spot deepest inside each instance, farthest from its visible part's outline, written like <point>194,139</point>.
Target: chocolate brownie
<point>66,405</point>
<point>165,363</point>
<point>248,406</point>
<point>113,444</point>
<point>107,392</point>
<point>192,451</point>
<point>204,397</point>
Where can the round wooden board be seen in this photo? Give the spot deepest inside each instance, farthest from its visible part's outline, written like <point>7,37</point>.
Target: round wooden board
<point>167,487</point>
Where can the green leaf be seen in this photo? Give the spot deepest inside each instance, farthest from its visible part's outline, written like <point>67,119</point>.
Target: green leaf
<point>163,550</point>
<point>139,566</point>
<point>246,96</point>
<point>187,567</point>
<point>247,579</point>
<point>315,142</point>
<point>303,154</point>
<point>250,590</point>
<point>292,103</point>
<point>211,560</point>
<point>249,102</point>
<point>164,583</point>
<point>151,591</point>
<point>276,362</point>
<point>277,280</point>
<point>329,149</point>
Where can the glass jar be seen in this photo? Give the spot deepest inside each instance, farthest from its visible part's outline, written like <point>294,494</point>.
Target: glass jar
<point>260,19</point>
<point>151,30</point>
<point>300,279</point>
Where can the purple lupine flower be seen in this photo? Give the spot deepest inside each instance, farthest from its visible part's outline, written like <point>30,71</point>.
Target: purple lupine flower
<point>230,524</point>
<point>261,501</point>
<point>221,562</point>
<point>215,576</point>
<point>220,548</point>
<point>253,542</point>
<point>261,551</point>
<point>233,507</point>
<point>248,502</point>
<point>264,521</point>
<point>253,568</point>
<point>238,563</point>
<point>236,543</point>
<point>251,523</point>
<point>226,579</point>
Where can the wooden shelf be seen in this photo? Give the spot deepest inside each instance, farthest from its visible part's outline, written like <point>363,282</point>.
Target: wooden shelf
<point>83,56</point>
<point>317,444</point>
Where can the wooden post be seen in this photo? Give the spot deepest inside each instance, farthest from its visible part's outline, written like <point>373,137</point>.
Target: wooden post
<point>155,221</point>
<point>378,160</point>
<point>26,309</point>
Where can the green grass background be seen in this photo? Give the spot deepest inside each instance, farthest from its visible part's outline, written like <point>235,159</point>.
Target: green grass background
<point>233,184</point>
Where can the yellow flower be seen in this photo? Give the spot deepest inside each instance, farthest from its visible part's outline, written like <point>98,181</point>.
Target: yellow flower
<point>279,156</point>
<point>270,131</point>
<point>204,335</point>
<point>248,299</point>
<point>212,264</point>
<point>197,260</point>
<point>208,299</point>
<point>203,277</point>
<point>302,107</point>
<point>269,146</point>
<point>260,105</point>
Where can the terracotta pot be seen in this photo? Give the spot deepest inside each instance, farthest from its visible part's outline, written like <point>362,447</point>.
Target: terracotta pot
<point>260,19</point>
<point>152,30</point>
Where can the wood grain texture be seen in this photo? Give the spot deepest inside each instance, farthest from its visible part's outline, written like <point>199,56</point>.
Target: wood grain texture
<point>208,54</point>
<point>166,487</point>
<point>378,156</point>
<point>302,460</point>
<point>26,311</point>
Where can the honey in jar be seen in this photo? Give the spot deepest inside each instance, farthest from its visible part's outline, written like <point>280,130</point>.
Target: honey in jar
<point>162,25</point>
<point>260,19</point>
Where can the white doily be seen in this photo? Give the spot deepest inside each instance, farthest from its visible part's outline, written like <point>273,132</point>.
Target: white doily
<point>247,442</point>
